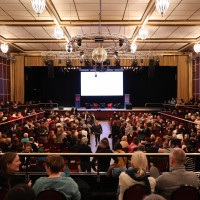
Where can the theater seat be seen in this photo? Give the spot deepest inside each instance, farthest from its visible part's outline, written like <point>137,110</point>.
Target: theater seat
<point>95,105</point>
<point>136,192</point>
<point>51,194</point>
<point>185,193</point>
<point>110,105</point>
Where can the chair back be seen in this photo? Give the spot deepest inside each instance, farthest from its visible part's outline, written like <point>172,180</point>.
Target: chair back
<point>185,193</point>
<point>3,193</point>
<point>51,194</point>
<point>136,192</point>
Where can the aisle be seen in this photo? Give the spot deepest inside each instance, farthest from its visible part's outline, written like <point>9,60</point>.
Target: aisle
<point>106,131</point>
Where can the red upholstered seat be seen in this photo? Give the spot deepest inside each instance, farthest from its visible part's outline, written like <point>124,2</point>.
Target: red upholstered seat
<point>51,194</point>
<point>95,105</point>
<point>110,105</point>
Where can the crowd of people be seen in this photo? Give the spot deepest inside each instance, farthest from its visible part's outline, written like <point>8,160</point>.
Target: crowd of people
<point>131,132</point>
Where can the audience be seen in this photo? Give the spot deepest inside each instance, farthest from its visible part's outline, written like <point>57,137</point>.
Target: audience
<point>53,165</point>
<point>170,181</point>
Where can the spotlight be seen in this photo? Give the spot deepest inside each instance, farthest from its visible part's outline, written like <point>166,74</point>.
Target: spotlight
<point>95,74</point>
<point>59,61</point>
<point>81,61</point>
<point>117,63</point>
<point>106,62</point>
<point>68,63</point>
<point>87,62</point>
<point>121,42</point>
<point>93,62</point>
<point>157,61</point>
<point>82,54</point>
<point>79,42</point>
<point>46,62</point>
<point>116,53</point>
<point>134,63</point>
<point>141,60</point>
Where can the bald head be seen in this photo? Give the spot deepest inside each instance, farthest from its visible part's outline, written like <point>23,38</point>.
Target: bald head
<point>177,157</point>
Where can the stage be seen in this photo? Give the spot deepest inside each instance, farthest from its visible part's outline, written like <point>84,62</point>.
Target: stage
<point>102,113</point>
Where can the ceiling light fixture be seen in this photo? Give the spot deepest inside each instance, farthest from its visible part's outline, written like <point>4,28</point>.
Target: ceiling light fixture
<point>58,32</point>
<point>133,47</point>
<point>162,6</point>
<point>4,48</point>
<point>143,33</point>
<point>38,5</point>
<point>197,47</point>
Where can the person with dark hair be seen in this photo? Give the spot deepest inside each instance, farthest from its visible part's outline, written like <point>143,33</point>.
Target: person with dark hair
<point>9,164</point>
<point>103,162</point>
<point>115,133</point>
<point>97,130</point>
<point>20,192</point>
<point>53,165</point>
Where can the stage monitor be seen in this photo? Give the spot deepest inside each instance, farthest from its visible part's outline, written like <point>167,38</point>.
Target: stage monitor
<point>101,83</point>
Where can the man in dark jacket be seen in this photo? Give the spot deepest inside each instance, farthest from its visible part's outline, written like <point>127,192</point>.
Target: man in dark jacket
<point>97,130</point>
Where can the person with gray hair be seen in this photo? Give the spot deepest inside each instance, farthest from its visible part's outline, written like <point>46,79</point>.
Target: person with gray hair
<point>168,182</point>
<point>154,197</point>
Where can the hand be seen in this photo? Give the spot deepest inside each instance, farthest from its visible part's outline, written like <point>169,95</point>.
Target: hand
<point>29,183</point>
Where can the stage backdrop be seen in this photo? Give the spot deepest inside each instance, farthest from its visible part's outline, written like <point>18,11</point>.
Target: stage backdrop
<point>160,86</point>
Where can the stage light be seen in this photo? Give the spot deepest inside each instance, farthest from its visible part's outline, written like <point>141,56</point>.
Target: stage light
<point>117,63</point>
<point>79,42</point>
<point>68,63</point>
<point>59,61</point>
<point>106,62</point>
<point>116,54</point>
<point>134,63</point>
<point>121,42</point>
<point>87,62</point>
<point>93,62</point>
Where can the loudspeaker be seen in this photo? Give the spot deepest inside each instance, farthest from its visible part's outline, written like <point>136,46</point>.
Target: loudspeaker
<point>129,106</point>
<point>60,108</point>
<point>151,69</point>
<point>50,69</point>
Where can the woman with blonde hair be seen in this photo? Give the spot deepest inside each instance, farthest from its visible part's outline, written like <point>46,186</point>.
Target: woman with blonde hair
<point>136,174</point>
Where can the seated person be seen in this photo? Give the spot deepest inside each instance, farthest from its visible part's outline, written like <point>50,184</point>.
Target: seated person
<point>136,174</point>
<point>53,165</point>
<point>168,182</point>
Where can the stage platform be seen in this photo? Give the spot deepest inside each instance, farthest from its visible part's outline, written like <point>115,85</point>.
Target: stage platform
<point>102,113</point>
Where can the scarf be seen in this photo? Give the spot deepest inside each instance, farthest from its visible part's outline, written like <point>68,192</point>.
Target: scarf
<point>132,172</point>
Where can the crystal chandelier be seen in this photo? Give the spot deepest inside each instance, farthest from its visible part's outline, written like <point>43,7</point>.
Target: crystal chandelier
<point>58,32</point>
<point>4,48</point>
<point>143,33</point>
<point>162,5</point>
<point>197,47</point>
<point>99,55</point>
<point>133,48</point>
<point>38,6</point>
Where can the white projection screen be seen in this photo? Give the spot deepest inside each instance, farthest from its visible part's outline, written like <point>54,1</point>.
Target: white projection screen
<point>102,84</point>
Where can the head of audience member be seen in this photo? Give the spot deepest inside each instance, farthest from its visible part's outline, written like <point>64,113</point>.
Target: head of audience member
<point>165,145</point>
<point>154,197</point>
<point>25,135</point>
<point>20,192</point>
<point>104,143</point>
<point>28,148</point>
<point>117,146</point>
<point>139,162</point>
<point>177,157</point>
<point>124,138</point>
<point>54,164</point>
<point>84,140</point>
<point>9,164</point>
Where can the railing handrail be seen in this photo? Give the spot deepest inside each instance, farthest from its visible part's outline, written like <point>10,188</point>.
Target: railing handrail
<point>21,118</point>
<point>49,103</point>
<point>152,103</point>
<point>163,113</point>
<point>98,154</point>
<point>174,105</point>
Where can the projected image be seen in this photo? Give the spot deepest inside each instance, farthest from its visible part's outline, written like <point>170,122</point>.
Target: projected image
<point>101,83</point>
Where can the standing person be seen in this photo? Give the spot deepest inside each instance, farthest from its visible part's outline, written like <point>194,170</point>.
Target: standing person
<point>97,130</point>
<point>9,164</point>
<point>168,182</point>
<point>115,133</point>
<point>85,161</point>
<point>103,162</point>
<point>53,165</point>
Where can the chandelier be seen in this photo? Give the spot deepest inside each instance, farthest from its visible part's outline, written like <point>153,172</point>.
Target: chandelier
<point>162,5</point>
<point>197,47</point>
<point>143,33</point>
<point>99,55</point>
<point>4,48</point>
<point>38,6</point>
<point>133,48</point>
<point>58,33</point>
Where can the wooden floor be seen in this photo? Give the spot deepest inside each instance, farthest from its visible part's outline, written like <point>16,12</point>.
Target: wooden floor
<point>106,131</point>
